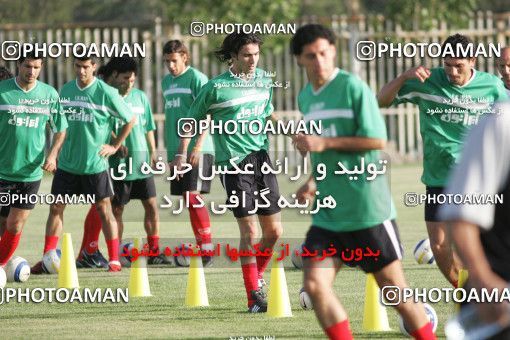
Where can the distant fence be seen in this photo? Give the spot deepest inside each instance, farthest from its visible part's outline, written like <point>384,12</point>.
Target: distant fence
<point>402,122</point>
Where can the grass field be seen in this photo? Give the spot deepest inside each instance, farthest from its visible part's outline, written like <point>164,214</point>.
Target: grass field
<point>165,316</point>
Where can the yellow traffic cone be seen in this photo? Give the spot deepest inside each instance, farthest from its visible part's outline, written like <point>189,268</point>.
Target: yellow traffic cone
<point>278,302</point>
<point>196,290</point>
<point>138,277</point>
<point>463,276</point>
<point>375,318</point>
<point>67,274</point>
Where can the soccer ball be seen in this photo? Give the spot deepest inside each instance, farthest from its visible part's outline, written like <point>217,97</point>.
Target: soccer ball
<point>181,260</point>
<point>297,260</point>
<point>304,300</point>
<point>126,248</point>
<point>51,261</point>
<point>3,278</point>
<point>423,253</point>
<point>431,314</point>
<point>17,270</point>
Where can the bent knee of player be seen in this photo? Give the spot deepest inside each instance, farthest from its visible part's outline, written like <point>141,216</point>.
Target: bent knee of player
<point>249,237</point>
<point>14,224</point>
<point>272,229</point>
<point>315,287</point>
<point>438,233</point>
<point>391,275</point>
<point>273,234</point>
<point>442,248</point>
<point>151,206</point>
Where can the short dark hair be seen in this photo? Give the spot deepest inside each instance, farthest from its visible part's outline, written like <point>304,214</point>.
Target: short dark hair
<point>5,73</point>
<point>104,72</point>
<point>457,39</point>
<point>28,55</point>
<point>233,43</point>
<point>80,50</point>
<point>121,65</point>
<point>307,34</point>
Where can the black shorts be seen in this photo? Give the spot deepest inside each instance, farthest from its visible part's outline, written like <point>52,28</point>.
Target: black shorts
<point>7,188</point>
<point>432,207</point>
<point>138,189</point>
<point>66,183</point>
<point>382,238</point>
<point>247,188</point>
<point>191,180</point>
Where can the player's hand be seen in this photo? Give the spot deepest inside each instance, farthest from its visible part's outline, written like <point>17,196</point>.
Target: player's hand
<point>176,165</point>
<point>107,150</point>
<point>493,311</point>
<point>309,143</point>
<point>294,140</point>
<point>153,159</point>
<point>421,73</point>
<point>306,192</point>
<point>122,152</point>
<point>50,164</point>
<point>194,156</point>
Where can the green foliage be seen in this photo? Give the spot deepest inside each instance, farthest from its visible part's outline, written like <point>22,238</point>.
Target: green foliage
<point>409,13</point>
<point>238,11</point>
<point>34,11</point>
<point>322,8</point>
<point>118,10</point>
<point>412,14</point>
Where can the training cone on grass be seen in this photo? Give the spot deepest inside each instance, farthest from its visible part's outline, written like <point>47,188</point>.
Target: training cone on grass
<point>138,277</point>
<point>196,290</point>
<point>375,318</point>
<point>67,274</point>
<point>278,302</point>
<point>463,276</point>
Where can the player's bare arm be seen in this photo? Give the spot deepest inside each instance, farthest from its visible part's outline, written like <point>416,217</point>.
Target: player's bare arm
<point>50,164</point>
<point>389,91</point>
<point>123,150</point>
<point>110,149</point>
<point>180,157</point>
<point>194,156</point>
<point>307,190</point>
<point>311,143</point>
<point>151,143</point>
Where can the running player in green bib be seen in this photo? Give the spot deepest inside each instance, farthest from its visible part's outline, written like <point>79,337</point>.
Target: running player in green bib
<point>180,88</point>
<point>450,99</point>
<point>364,216</point>
<point>240,95</point>
<point>27,106</point>
<point>91,107</point>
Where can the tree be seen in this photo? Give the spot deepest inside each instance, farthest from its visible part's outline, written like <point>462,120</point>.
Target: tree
<point>35,11</point>
<point>118,10</point>
<point>412,14</point>
<point>184,12</point>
